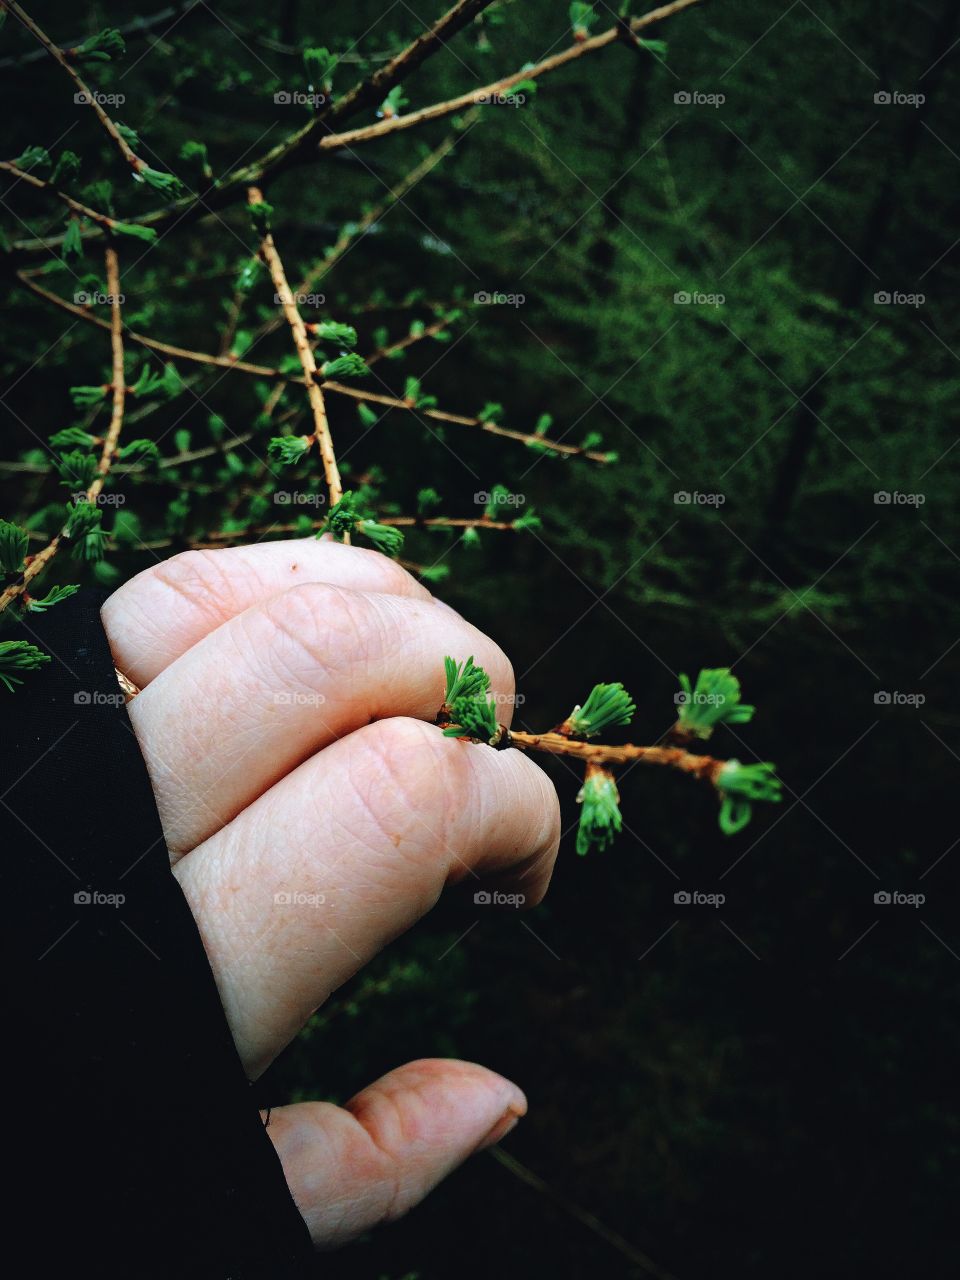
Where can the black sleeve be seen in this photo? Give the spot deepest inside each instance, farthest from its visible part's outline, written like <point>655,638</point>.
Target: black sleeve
<point>137,1149</point>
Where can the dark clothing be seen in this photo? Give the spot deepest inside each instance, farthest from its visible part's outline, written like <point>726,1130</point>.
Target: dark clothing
<point>138,1149</point>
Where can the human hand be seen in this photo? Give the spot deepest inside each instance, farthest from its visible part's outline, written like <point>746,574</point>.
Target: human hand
<point>286,690</point>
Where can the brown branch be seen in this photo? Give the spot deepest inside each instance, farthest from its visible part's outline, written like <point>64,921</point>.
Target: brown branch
<point>55,52</point>
<point>299,146</point>
<point>704,768</point>
<point>75,206</point>
<point>461,420</point>
<point>384,353</point>
<point>153,344</point>
<point>333,388</point>
<point>366,133</point>
<point>398,522</point>
<point>109,450</point>
<point>36,564</point>
<point>268,251</point>
<point>374,89</point>
<point>347,239</point>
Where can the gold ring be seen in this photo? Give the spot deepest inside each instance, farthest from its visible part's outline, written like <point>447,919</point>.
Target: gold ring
<point>127,687</point>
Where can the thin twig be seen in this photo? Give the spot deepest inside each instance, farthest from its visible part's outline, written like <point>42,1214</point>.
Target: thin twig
<point>335,388</point>
<point>55,52</point>
<point>108,452</point>
<point>384,353</point>
<point>153,344</point>
<point>268,251</point>
<point>350,138</point>
<point>376,87</point>
<point>704,768</point>
<point>398,522</point>
<point>589,1220</point>
<point>103,219</point>
<point>348,238</point>
<point>299,146</point>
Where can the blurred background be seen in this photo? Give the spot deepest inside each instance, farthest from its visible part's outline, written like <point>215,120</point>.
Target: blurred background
<point>736,262</point>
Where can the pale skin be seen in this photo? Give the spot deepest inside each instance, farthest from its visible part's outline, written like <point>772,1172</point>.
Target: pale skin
<point>287,695</point>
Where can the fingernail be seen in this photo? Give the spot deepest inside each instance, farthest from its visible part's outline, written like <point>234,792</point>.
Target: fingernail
<point>504,1125</point>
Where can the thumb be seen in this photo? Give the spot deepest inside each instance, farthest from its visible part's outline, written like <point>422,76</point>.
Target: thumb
<point>349,1168</point>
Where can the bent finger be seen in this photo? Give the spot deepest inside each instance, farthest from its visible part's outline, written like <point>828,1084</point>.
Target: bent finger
<point>307,884</point>
<point>284,679</point>
<point>163,611</point>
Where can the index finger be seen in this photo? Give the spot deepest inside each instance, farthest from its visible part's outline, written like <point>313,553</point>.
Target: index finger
<point>162,612</point>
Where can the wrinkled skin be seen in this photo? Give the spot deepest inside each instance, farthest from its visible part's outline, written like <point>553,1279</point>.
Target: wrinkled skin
<point>286,694</point>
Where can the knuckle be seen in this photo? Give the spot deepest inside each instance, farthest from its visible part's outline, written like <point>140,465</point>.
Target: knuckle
<point>195,576</point>
<point>392,578</point>
<point>318,623</point>
<point>412,782</point>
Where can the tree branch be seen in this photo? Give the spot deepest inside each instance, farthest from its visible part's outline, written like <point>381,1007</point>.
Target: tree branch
<point>298,147</point>
<point>334,141</point>
<point>333,388</point>
<point>398,522</point>
<point>55,52</point>
<point>384,353</point>
<point>75,206</point>
<point>372,216</point>
<point>268,251</point>
<point>108,452</point>
<point>704,768</point>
